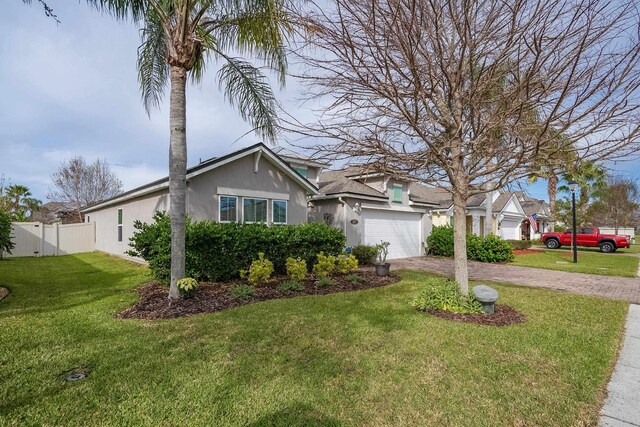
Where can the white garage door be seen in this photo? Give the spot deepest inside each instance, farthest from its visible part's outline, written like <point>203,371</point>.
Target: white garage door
<point>509,229</point>
<point>400,229</point>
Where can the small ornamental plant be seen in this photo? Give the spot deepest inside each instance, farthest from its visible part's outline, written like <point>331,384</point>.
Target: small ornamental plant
<point>187,287</point>
<point>354,278</point>
<point>293,285</point>
<point>323,282</point>
<point>259,272</point>
<point>296,268</point>
<point>347,264</point>
<point>444,294</point>
<point>242,291</point>
<point>325,266</point>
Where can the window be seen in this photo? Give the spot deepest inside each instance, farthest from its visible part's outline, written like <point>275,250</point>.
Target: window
<point>119,225</point>
<point>88,218</point>
<point>586,231</point>
<point>254,210</point>
<point>228,209</point>
<point>302,170</point>
<point>279,211</point>
<point>397,193</point>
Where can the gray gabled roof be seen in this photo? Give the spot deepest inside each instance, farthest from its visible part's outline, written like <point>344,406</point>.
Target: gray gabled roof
<point>337,182</point>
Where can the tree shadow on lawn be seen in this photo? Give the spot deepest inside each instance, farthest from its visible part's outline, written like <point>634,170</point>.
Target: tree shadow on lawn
<point>53,284</point>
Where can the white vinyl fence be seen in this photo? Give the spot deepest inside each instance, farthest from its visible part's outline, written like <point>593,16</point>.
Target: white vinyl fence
<point>621,230</point>
<point>37,239</point>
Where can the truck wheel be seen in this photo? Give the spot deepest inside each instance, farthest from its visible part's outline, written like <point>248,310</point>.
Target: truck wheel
<point>552,244</point>
<point>607,247</point>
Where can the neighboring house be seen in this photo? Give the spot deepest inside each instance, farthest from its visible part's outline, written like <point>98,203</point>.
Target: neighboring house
<point>371,207</point>
<point>56,212</point>
<point>512,211</point>
<point>252,184</point>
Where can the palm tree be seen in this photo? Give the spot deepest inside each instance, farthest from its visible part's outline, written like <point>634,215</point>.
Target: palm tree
<point>591,177</point>
<point>20,202</point>
<point>179,37</point>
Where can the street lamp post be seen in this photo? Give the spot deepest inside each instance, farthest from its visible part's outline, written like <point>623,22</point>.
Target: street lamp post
<point>573,186</point>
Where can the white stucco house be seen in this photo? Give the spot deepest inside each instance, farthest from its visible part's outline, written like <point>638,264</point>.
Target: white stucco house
<point>511,219</point>
<point>253,184</point>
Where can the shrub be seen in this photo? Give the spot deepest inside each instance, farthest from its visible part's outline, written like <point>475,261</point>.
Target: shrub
<point>187,287</point>
<point>494,249</point>
<point>325,266</point>
<point>490,248</point>
<point>354,278</point>
<point>347,264</point>
<point>216,251</point>
<point>296,268</point>
<point>259,272</point>
<point>444,294</point>
<point>365,254</point>
<point>519,244</point>
<point>291,285</point>
<point>382,252</point>
<point>325,281</point>
<point>440,241</point>
<point>242,291</point>
<point>6,245</point>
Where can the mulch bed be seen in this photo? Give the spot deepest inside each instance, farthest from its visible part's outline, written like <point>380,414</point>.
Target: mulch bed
<point>503,316</point>
<point>213,297</point>
<point>3,292</point>
<point>526,251</point>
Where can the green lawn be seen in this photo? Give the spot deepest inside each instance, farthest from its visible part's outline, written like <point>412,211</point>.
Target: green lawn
<point>342,359</point>
<point>589,262</point>
<point>634,249</point>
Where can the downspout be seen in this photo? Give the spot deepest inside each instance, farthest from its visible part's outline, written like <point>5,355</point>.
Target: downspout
<point>344,215</point>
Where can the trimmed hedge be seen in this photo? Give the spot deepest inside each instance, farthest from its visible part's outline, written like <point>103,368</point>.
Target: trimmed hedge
<point>484,249</point>
<point>520,244</point>
<point>216,251</point>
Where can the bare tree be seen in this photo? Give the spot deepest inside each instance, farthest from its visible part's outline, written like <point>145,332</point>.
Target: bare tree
<point>460,93</point>
<point>616,203</point>
<point>82,184</point>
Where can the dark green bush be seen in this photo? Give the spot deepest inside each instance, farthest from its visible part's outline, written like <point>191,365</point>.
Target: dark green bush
<point>445,294</point>
<point>6,245</point>
<point>484,249</point>
<point>440,241</point>
<point>520,244</point>
<point>216,251</point>
<point>365,254</point>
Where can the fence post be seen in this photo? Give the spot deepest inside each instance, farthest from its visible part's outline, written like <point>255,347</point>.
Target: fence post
<point>56,229</point>
<point>42,237</point>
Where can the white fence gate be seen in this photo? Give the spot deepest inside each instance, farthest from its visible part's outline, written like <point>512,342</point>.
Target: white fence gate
<point>37,239</point>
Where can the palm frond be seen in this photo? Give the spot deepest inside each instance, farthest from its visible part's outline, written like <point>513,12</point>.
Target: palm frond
<point>153,69</point>
<point>122,9</point>
<point>247,88</point>
<point>256,28</point>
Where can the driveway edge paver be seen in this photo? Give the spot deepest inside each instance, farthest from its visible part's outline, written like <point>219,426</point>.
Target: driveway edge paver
<point>612,287</point>
<point>621,405</point>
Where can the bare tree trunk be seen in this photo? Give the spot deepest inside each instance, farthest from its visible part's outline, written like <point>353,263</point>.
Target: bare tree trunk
<point>552,190</point>
<point>460,241</point>
<point>177,176</point>
<point>488,213</point>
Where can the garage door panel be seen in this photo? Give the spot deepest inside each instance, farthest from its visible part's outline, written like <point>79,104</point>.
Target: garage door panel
<point>400,229</point>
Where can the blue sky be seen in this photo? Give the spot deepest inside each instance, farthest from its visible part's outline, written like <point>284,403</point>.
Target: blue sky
<point>71,89</point>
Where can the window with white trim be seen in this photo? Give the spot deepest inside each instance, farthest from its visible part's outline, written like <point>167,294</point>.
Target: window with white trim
<point>254,210</point>
<point>228,209</point>
<point>279,211</point>
<point>119,225</point>
<point>397,193</point>
<point>302,170</point>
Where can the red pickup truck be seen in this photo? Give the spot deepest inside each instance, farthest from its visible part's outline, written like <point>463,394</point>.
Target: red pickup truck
<point>586,236</point>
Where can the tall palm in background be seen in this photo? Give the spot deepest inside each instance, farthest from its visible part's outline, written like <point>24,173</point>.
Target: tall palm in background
<point>179,40</point>
<point>20,202</point>
<point>591,177</point>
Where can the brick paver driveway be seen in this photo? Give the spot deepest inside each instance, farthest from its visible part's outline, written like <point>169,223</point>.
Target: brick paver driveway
<point>620,288</point>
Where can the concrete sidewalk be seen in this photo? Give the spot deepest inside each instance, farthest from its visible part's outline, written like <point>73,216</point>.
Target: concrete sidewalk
<point>622,406</point>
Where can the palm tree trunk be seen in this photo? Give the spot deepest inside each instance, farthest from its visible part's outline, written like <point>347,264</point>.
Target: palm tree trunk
<point>460,241</point>
<point>177,175</point>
